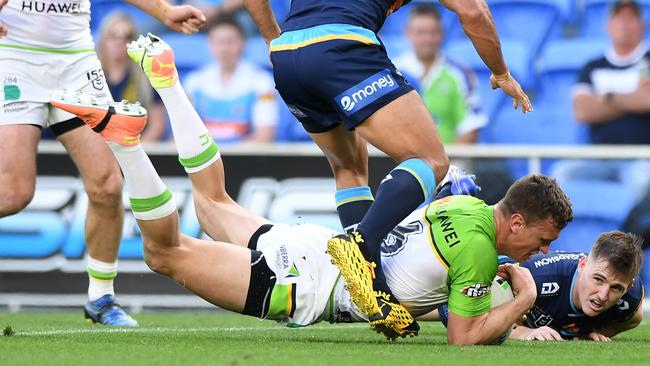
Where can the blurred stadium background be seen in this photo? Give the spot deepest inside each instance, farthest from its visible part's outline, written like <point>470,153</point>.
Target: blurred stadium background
<point>545,43</point>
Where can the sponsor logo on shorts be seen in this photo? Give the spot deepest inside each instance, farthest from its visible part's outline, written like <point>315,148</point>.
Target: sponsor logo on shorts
<point>296,111</point>
<point>96,78</point>
<point>366,92</point>
<point>477,290</point>
<point>10,88</point>
<point>282,258</point>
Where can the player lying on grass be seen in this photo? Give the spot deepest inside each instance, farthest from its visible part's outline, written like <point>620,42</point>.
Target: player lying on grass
<point>594,296</point>
<point>444,252</point>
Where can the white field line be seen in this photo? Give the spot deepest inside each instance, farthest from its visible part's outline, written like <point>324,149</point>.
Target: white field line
<point>73,331</point>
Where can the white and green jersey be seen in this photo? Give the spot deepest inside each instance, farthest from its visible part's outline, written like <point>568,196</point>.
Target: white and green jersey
<point>450,92</point>
<point>47,26</point>
<point>443,253</point>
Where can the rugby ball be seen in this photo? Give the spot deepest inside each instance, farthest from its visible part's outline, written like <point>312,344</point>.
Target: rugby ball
<point>501,294</point>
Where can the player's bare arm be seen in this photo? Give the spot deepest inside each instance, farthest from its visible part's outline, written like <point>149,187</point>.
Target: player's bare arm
<point>486,328</point>
<point>261,12</point>
<point>180,18</point>
<point>476,19</point>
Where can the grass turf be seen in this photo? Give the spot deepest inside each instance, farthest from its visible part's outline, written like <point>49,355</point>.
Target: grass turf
<point>224,339</point>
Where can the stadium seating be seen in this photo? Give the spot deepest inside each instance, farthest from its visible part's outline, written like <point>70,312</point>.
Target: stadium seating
<point>395,24</point>
<point>559,64</point>
<point>598,206</point>
<point>518,56</point>
<point>191,52</point>
<point>258,52</point>
<point>531,21</point>
<point>595,14</point>
<point>99,9</point>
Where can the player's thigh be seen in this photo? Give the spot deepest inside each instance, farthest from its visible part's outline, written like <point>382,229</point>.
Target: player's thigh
<point>97,165</point>
<point>347,155</point>
<point>83,73</point>
<point>17,165</point>
<point>218,272</point>
<point>403,129</point>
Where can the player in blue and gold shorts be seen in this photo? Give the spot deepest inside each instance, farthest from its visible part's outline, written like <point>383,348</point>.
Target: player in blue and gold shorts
<point>332,70</point>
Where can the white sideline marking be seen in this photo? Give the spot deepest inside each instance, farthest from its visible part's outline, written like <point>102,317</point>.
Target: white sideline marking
<point>166,330</point>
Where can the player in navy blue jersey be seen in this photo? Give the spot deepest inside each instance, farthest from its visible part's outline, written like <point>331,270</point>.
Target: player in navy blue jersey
<point>594,296</point>
<point>332,71</point>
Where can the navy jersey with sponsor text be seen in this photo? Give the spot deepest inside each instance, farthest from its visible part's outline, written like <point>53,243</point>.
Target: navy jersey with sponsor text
<point>369,14</point>
<point>554,276</point>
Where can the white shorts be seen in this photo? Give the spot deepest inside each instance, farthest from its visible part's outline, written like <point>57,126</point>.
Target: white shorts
<point>305,276</point>
<point>29,79</point>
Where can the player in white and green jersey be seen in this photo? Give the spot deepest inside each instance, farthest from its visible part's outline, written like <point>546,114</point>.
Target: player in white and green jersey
<point>46,45</point>
<point>443,252</point>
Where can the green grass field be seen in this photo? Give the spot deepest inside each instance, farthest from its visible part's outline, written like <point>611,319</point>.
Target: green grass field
<point>222,339</point>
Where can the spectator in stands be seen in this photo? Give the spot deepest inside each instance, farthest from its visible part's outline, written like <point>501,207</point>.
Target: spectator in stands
<point>125,79</point>
<point>448,89</point>
<point>612,97</point>
<point>234,97</point>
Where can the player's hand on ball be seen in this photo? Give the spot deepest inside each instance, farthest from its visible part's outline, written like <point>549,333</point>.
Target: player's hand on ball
<point>543,334</point>
<point>595,336</point>
<point>3,3</point>
<point>184,18</point>
<point>510,86</point>
<point>523,285</point>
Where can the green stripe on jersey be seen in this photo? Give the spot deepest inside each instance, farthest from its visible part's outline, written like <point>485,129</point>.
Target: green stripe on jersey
<point>148,204</point>
<point>47,50</point>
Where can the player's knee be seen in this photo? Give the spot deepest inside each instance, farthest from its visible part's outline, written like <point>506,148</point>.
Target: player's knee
<point>439,165</point>
<point>156,257</point>
<point>15,200</point>
<point>107,190</point>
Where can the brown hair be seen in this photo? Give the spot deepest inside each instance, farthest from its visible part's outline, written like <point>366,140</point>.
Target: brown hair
<point>538,197</point>
<point>425,9</point>
<point>225,20</point>
<point>622,251</point>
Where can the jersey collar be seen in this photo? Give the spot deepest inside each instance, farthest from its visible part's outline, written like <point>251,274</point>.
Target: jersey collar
<point>626,60</point>
<point>573,306</point>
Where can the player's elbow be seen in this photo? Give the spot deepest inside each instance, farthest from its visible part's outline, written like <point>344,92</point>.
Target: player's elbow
<point>468,11</point>
<point>463,339</point>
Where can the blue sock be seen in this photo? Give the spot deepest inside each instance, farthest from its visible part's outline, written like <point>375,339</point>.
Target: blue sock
<point>399,194</point>
<point>352,205</point>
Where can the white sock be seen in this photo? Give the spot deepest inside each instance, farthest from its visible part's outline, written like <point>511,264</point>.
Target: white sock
<point>196,148</point>
<point>100,278</point>
<point>150,199</point>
